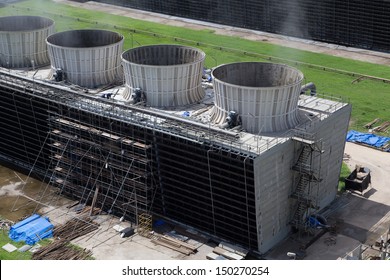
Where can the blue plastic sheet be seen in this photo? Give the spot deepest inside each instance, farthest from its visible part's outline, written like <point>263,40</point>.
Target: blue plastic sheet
<point>368,139</point>
<point>31,230</point>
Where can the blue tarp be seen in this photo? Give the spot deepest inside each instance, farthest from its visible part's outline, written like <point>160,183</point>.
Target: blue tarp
<point>31,230</point>
<point>368,139</point>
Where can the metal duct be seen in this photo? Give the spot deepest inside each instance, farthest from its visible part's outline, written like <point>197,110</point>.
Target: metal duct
<point>22,41</point>
<point>168,75</point>
<point>88,58</point>
<point>264,95</point>
<point>309,86</point>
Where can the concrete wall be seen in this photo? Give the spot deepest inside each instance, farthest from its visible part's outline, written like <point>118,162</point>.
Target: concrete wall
<point>273,182</point>
<point>333,132</point>
<point>274,179</point>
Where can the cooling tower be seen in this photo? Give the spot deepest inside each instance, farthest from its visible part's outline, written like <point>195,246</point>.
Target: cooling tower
<point>22,41</point>
<point>168,75</point>
<point>263,95</point>
<point>88,58</point>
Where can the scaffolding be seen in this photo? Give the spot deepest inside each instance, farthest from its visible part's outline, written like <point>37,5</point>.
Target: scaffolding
<point>307,169</point>
<point>144,224</point>
<point>110,171</point>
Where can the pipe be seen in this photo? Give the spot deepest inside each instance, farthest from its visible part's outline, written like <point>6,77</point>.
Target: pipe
<point>311,86</point>
<point>224,125</point>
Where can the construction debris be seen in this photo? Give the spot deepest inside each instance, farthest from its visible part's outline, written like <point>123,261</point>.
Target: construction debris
<point>225,251</point>
<point>35,248</point>
<point>233,248</point>
<point>213,256</point>
<point>346,157</point>
<point>74,228</point>
<point>174,244</point>
<point>370,124</point>
<point>61,250</point>
<point>24,248</point>
<point>384,127</point>
<point>227,254</point>
<point>5,224</point>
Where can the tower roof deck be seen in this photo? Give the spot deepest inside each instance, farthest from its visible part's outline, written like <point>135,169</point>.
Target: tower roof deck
<point>191,122</point>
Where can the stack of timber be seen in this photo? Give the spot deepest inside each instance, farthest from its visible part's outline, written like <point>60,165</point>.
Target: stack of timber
<point>370,124</point>
<point>225,251</point>
<point>174,244</point>
<point>384,127</point>
<point>61,250</point>
<point>74,228</point>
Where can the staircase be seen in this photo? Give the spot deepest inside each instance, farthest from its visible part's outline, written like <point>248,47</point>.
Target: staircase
<point>302,196</point>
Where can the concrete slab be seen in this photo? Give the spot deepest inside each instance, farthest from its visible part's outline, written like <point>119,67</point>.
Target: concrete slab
<point>35,248</point>
<point>9,247</point>
<point>24,248</point>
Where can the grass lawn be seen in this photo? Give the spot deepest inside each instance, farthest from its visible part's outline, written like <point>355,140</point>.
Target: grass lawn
<point>369,99</point>
<point>15,255</point>
<point>343,174</point>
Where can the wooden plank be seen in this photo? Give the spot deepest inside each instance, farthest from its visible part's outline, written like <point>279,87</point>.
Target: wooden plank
<point>111,136</point>
<point>227,254</point>
<point>178,242</point>
<point>214,256</point>
<point>94,200</point>
<point>306,141</point>
<point>178,249</point>
<point>136,144</point>
<point>370,124</point>
<point>233,248</point>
